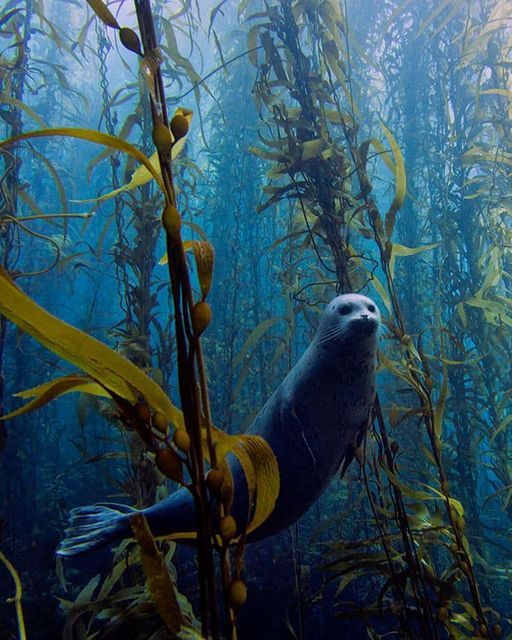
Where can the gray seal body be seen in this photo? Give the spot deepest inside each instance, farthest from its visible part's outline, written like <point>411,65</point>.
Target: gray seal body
<point>313,423</point>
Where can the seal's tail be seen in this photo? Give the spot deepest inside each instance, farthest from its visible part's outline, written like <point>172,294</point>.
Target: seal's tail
<point>93,527</point>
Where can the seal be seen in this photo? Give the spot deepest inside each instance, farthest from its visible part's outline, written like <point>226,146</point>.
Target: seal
<point>313,423</point>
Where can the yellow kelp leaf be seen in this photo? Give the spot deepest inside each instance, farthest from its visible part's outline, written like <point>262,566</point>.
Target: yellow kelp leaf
<point>102,364</point>
<point>225,444</point>
<point>253,339</point>
<point>273,156</point>
<point>395,368</point>
<point>495,313</point>
<point>501,427</point>
<point>493,156</point>
<point>252,44</point>
<point>158,580</point>
<point>490,263</point>
<point>267,478</point>
<point>143,174</point>
<point>332,55</point>
<point>462,313</point>
<point>59,185</point>
<point>400,182</point>
<point>433,14</point>
<point>125,131</point>
<point>441,403</point>
<point>331,15</point>
<point>23,107</point>
<point>313,148</point>
<point>31,204</point>
<point>462,620</point>
<point>260,468</point>
<point>399,250</point>
<point>414,494</point>
<point>189,633</point>
<point>44,393</point>
<point>187,245</point>
<point>103,13</point>
<point>97,137</point>
<point>204,256</point>
<point>500,92</point>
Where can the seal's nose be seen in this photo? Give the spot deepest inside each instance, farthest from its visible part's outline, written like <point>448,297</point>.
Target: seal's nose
<point>364,315</point>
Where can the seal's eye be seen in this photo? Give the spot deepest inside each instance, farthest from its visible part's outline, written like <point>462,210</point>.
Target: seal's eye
<point>345,309</point>
<point>371,308</point>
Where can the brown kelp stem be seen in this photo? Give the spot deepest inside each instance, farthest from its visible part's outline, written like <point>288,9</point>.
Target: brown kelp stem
<point>17,596</point>
<point>187,343</point>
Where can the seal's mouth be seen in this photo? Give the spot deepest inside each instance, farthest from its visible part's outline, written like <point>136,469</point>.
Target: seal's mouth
<point>365,324</point>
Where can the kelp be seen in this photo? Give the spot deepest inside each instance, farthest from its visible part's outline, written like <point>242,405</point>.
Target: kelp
<point>117,375</point>
<point>121,601</point>
<point>141,403</point>
<point>435,248</point>
<point>157,576</point>
<point>410,568</point>
<point>16,599</point>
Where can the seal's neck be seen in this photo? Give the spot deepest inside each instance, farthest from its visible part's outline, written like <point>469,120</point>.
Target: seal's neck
<point>339,359</point>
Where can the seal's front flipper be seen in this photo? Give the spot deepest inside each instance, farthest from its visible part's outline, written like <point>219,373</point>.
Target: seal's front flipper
<point>95,526</point>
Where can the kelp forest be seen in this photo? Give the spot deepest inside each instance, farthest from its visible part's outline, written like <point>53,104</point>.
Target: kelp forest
<point>184,186</point>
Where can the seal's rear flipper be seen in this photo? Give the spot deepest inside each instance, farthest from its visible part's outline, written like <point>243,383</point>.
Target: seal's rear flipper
<point>95,526</point>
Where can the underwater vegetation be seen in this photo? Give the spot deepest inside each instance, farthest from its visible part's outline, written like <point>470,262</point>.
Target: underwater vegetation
<point>183,187</point>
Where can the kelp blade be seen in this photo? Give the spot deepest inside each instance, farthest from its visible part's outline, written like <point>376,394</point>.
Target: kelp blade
<point>48,391</point>
<point>105,139</point>
<point>104,365</point>
<point>158,579</point>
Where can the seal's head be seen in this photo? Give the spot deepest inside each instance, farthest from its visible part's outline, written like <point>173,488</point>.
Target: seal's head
<point>349,316</point>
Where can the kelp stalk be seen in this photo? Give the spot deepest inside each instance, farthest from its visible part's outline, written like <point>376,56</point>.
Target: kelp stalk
<point>17,596</point>
<point>187,343</point>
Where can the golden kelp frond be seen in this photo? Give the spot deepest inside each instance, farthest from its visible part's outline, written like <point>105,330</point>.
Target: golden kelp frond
<point>401,251</point>
<point>97,137</point>
<point>159,582</point>
<point>266,479</point>
<point>148,170</point>
<point>103,13</point>
<point>254,338</point>
<point>242,358</point>
<point>16,599</point>
<point>48,391</point>
<point>260,469</point>
<point>120,601</point>
<point>400,182</point>
<point>204,257</point>
<point>124,133</point>
<point>104,365</point>
<point>23,107</point>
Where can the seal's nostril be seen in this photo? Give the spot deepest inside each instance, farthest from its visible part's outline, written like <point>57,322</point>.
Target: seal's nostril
<point>364,315</point>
